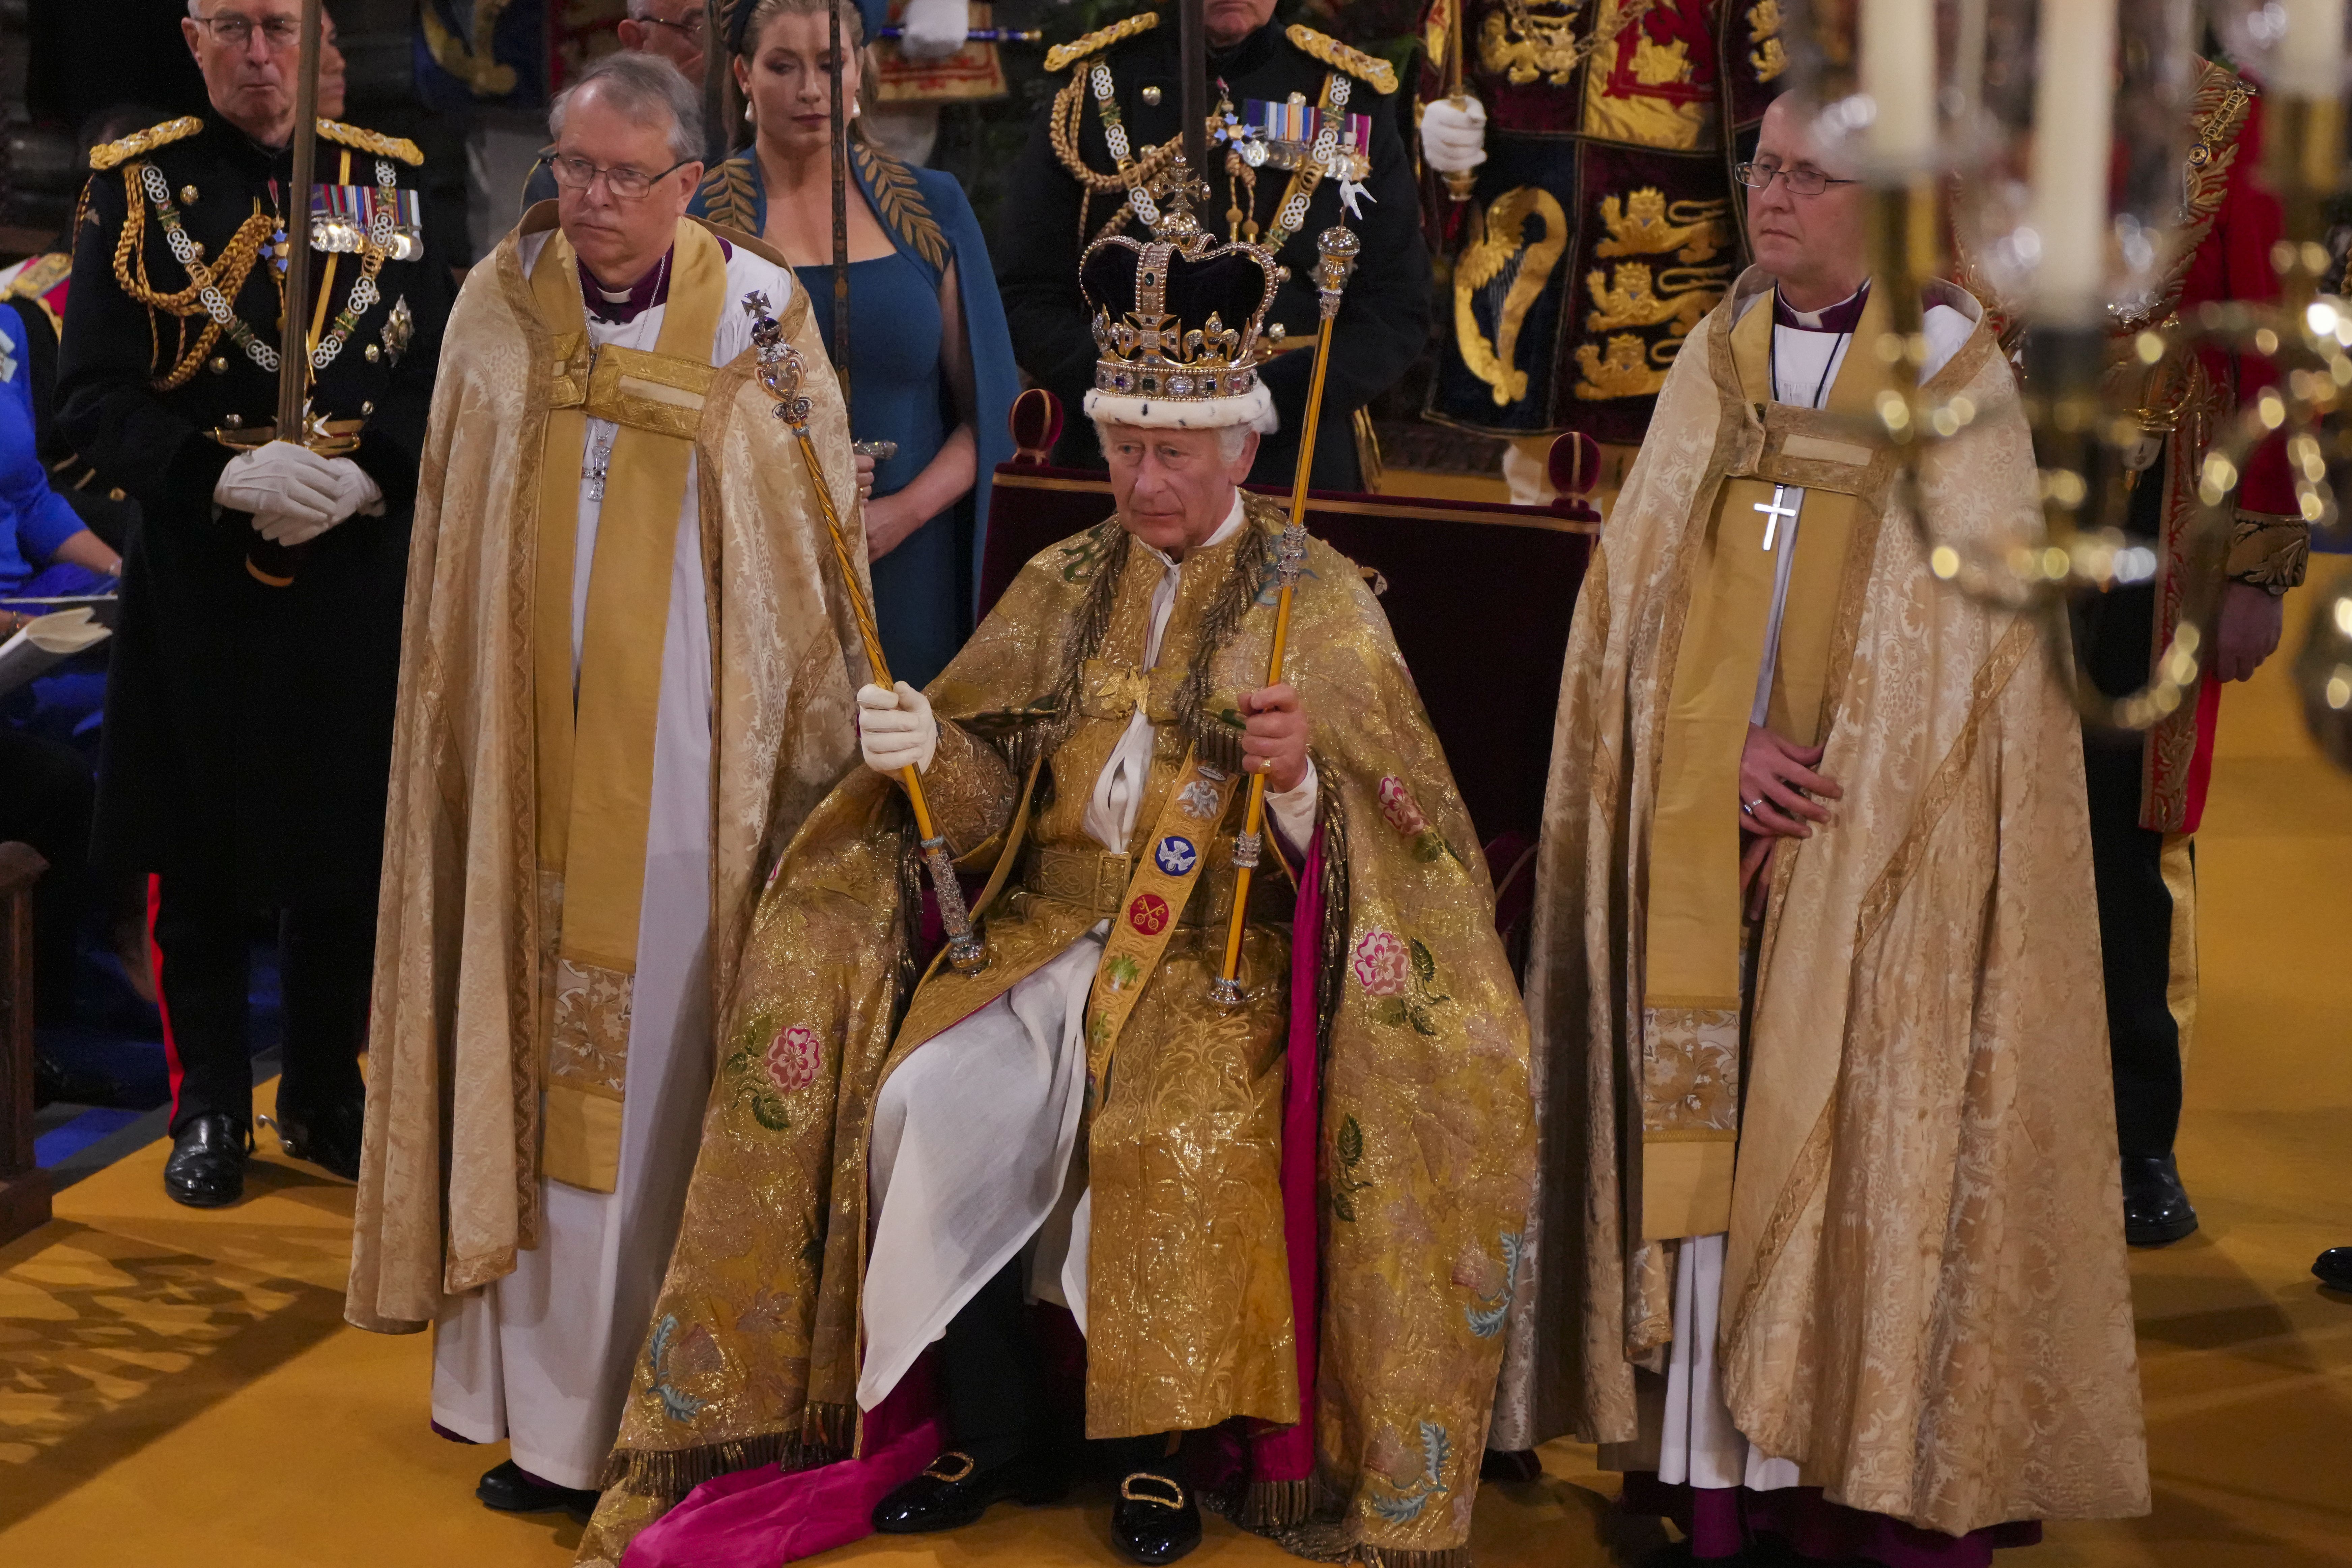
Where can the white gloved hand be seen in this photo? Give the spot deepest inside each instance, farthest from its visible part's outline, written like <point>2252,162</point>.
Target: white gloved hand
<point>1453,140</point>
<point>282,480</point>
<point>355,492</point>
<point>933,29</point>
<point>895,729</point>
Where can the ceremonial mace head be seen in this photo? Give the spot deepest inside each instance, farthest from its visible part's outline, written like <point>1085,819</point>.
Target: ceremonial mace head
<point>1337,249</point>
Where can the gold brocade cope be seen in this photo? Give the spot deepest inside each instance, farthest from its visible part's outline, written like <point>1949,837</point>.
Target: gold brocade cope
<point>1691,1004</point>
<point>1422,1148</point>
<point>1925,1298</point>
<point>596,745</point>
<point>1165,877</point>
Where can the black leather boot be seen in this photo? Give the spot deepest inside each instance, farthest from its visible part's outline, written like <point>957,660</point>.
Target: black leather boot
<point>510,1488</point>
<point>2156,1206</point>
<point>207,1169</point>
<point>327,1135</point>
<point>2334,1269</point>
<point>1155,1519</point>
<point>954,1491</point>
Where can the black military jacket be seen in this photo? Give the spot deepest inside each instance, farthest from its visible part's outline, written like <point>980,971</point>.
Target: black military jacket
<point>248,728</point>
<point>1049,218</point>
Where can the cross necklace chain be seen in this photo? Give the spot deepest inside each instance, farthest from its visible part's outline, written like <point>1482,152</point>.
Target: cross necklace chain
<point>1780,507</point>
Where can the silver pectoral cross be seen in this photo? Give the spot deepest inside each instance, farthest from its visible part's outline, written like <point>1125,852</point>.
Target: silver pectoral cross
<point>599,466</point>
<point>1775,510</point>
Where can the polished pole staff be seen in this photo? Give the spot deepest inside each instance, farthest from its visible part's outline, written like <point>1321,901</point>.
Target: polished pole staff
<point>780,372</point>
<point>716,132</point>
<point>1460,184</point>
<point>265,561</point>
<point>1338,248</point>
<point>840,212</point>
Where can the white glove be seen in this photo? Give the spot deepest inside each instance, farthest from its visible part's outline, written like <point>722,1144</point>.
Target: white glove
<point>355,492</point>
<point>895,729</point>
<point>282,480</point>
<point>933,29</point>
<point>1453,140</point>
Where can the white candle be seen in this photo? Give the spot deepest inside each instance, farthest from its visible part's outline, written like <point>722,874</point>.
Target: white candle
<point>2074,125</point>
<point>2310,57</point>
<point>1899,72</point>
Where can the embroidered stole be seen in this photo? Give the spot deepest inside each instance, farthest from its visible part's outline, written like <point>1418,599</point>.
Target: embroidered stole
<point>595,745</point>
<point>1691,992</point>
<point>1165,876</point>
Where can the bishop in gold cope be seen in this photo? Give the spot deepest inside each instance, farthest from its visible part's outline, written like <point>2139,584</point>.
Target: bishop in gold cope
<point>893,1157</point>
<point>1837,1208</point>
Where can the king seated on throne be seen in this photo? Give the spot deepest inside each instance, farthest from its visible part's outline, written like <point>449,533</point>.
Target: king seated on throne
<point>1287,1226</point>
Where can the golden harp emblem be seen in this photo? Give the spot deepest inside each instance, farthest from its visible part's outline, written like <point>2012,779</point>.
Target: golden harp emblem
<point>1499,256</point>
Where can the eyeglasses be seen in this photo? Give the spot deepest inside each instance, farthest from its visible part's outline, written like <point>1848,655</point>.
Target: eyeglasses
<point>236,30</point>
<point>692,29</point>
<point>626,185</point>
<point>1800,182</point>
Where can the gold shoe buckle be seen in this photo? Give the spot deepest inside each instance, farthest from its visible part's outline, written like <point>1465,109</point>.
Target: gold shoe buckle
<point>953,1455</point>
<point>1135,1488</point>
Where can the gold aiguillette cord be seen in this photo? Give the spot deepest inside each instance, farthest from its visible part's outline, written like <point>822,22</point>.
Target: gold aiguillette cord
<point>1338,248</point>
<point>780,369</point>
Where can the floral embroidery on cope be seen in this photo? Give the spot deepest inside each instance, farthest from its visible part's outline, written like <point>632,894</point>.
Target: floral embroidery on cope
<point>1487,1314</point>
<point>676,1404</point>
<point>1349,1147</point>
<point>1404,814</point>
<point>1410,1500</point>
<point>1400,975</point>
<point>793,1057</point>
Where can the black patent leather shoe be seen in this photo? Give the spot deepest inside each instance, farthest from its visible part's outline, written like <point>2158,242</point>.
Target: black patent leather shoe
<point>327,1135</point>
<point>954,1491</point>
<point>2334,1269</point>
<point>510,1488</point>
<point>207,1169</point>
<point>2156,1206</point>
<point>1155,1519</point>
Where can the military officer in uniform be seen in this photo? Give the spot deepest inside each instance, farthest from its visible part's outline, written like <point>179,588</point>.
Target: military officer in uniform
<point>249,729</point>
<point>1299,124</point>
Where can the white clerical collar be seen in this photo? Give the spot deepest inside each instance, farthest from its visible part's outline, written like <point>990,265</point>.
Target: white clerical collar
<point>1225,530</point>
<point>1841,317</point>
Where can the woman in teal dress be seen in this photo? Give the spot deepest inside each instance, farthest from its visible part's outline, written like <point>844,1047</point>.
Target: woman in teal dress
<point>931,363</point>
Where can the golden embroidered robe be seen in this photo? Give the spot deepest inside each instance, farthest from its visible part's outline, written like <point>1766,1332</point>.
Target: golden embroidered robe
<point>451,1170</point>
<point>1425,1144</point>
<point>1925,1302</point>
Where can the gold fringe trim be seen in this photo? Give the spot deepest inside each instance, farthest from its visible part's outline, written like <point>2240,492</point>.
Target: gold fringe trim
<point>828,1432</point>
<point>1276,1505</point>
<point>669,1474</point>
<point>1390,1557</point>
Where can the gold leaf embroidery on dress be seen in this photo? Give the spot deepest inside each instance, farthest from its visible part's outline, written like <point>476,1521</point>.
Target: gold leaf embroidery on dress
<point>1498,252</point>
<point>1638,294</point>
<point>1690,1069</point>
<point>1768,56</point>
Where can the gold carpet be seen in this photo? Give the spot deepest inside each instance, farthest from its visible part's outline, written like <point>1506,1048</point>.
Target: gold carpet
<point>178,1388</point>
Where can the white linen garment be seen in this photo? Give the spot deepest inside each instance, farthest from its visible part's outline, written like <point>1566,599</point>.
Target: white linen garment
<point>973,1134</point>
<point>543,1357</point>
<point>1698,1444</point>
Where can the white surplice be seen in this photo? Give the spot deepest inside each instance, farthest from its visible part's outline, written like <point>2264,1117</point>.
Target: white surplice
<point>973,1134</point>
<point>1697,1443</point>
<point>543,1357</point>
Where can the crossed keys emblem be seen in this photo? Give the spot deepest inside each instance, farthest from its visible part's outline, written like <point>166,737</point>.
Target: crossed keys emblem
<point>780,363</point>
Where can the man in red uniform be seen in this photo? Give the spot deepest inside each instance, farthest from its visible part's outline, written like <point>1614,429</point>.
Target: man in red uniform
<point>2147,793</point>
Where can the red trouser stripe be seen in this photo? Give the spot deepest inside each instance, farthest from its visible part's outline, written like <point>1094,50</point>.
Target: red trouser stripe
<point>163,1002</point>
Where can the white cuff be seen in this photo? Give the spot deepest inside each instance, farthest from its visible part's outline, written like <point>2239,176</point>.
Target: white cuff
<point>1293,810</point>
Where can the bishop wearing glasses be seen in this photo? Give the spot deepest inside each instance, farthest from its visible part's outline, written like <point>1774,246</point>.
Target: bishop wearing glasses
<point>1826,1244</point>
<point>622,683</point>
